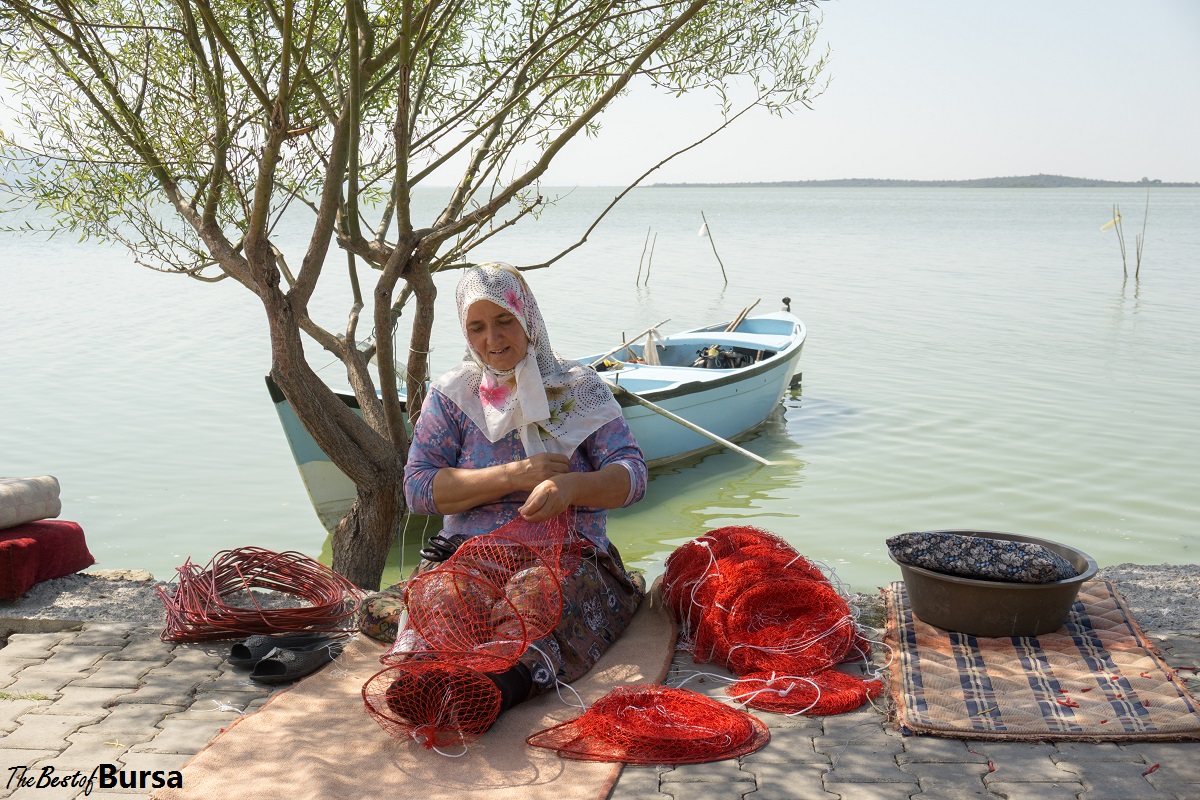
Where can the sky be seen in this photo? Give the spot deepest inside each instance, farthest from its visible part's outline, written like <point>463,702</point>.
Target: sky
<point>942,90</point>
<point>946,90</point>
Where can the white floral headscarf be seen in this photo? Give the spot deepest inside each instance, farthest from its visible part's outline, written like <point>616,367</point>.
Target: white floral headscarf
<point>552,402</point>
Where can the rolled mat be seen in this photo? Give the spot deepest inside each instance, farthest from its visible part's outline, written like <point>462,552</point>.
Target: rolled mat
<point>1098,678</point>
<point>316,741</point>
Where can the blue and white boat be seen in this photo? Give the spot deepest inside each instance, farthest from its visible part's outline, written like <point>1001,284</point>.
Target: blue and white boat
<point>724,381</point>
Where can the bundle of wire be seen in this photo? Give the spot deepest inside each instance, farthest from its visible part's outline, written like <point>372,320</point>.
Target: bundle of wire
<point>470,617</point>
<point>648,724</point>
<point>197,608</point>
<point>747,600</point>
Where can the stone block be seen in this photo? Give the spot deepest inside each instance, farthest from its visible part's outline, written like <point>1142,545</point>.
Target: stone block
<point>36,681</point>
<point>864,764</point>
<point>11,667</point>
<point>1111,780</point>
<point>854,726</point>
<point>715,771</point>
<point>637,782</point>
<point>872,791</point>
<point>931,749</point>
<point>1177,761</point>
<point>75,658</point>
<point>161,690</point>
<point>83,700</point>
<point>11,711</point>
<point>140,647</point>
<point>1093,751</point>
<point>116,674</point>
<point>1028,767</point>
<point>1003,751</point>
<point>956,772</point>
<point>812,725</point>
<point>92,749</point>
<point>181,736</point>
<point>226,678</point>
<point>779,781</point>
<point>207,656</point>
<point>788,745</point>
<point>114,634</point>
<point>131,720</point>
<point>44,731</point>
<point>36,646</point>
<point>1035,791</point>
<point>707,791</point>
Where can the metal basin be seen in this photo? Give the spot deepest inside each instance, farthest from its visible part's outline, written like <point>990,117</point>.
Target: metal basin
<point>996,608</point>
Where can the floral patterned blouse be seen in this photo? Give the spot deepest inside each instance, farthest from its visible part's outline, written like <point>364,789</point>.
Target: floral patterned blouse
<point>446,437</point>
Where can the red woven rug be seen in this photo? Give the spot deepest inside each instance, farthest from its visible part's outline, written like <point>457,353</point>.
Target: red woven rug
<point>1098,678</point>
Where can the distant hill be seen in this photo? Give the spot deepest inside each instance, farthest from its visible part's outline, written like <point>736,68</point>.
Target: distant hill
<point>1021,182</point>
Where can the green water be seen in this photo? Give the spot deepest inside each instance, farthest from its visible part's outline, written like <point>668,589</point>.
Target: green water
<point>975,360</point>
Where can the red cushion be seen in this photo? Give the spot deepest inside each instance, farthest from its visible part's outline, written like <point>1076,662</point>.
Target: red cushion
<point>38,551</point>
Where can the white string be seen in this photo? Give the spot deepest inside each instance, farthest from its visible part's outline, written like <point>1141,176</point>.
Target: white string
<point>702,675</point>
<point>462,741</point>
<point>559,685</point>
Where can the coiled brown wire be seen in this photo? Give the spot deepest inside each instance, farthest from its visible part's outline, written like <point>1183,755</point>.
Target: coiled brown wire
<point>196,610</point>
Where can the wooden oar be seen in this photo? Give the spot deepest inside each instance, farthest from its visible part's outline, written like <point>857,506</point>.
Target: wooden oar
<point>618,391</point>
<point>742,316</point>
<point>626,344</point>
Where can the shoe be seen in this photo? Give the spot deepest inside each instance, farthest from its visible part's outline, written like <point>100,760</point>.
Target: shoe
<point>284,665</point>
<point>249,652</point>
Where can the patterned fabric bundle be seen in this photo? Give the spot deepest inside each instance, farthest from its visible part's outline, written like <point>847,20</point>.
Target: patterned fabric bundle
<point>473,615</point>
<point>980,557</point>
<point>747,600</point>
<point>648,724</point>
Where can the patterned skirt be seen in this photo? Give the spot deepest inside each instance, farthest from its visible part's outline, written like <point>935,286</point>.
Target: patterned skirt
<point>599,600</point>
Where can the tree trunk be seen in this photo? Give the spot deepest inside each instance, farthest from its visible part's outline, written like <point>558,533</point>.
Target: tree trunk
<point>362,539</point>
<point>366,533</point>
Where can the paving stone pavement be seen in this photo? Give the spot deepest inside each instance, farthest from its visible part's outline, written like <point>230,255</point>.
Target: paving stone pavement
<point>73,700</point>
<point>860,756</point>
<point>104,694</point>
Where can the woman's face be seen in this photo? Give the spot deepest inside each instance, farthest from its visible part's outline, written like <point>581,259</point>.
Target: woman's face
<point>495,335</point>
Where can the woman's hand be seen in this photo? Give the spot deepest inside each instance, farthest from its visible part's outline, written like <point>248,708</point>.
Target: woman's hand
<point>547,500</point>
<point>528,473</point>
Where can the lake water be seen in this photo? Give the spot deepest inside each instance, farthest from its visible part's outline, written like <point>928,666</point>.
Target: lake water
<point>975,360</point>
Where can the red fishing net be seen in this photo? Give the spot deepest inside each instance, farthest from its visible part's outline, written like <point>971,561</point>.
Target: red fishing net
<point>433,703</point>
<point>645,724</point>
<point>747,600</point>
<point>787,625</point>
<point>220,601</point>
<point>826,693</point>
<point>688,584</point>
<point>475,613</point>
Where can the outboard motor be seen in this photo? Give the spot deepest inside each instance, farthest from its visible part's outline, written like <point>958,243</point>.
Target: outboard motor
<point>713,357</point>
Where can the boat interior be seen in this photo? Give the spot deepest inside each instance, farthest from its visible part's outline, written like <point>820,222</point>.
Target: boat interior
<point>712,348</point>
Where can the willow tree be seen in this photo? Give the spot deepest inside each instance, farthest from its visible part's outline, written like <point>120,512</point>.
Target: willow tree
<point>186,128</point>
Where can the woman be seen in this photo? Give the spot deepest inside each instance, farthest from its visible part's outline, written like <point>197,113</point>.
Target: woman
<point>517,431</point>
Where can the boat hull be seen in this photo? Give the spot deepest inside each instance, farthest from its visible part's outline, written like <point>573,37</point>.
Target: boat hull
<point>727,402</point>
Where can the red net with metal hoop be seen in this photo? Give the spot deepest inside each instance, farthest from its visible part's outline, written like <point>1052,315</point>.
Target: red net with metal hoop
<point>647,724</point>
<point>475,613</point>
<point>747,600</point>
